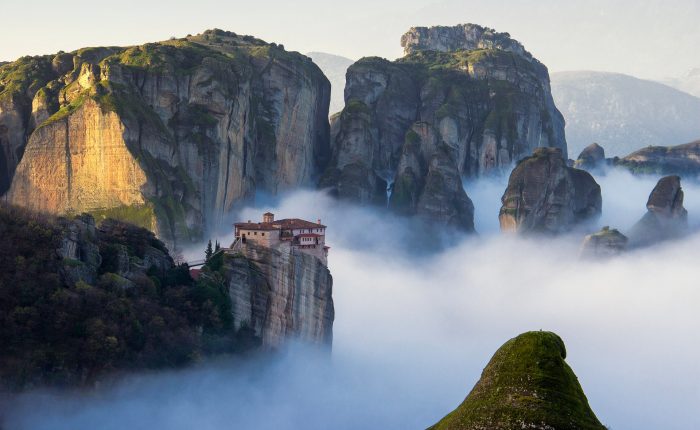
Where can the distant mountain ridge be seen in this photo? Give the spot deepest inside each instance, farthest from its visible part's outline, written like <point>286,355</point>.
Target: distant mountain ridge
<point>334,67</point>
<point>690,82</point>
<point>623,113</point>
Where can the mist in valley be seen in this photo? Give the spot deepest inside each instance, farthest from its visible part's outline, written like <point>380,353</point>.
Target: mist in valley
<point>413,330</point>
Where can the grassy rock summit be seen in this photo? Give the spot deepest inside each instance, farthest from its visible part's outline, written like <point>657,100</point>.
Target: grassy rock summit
<point>464,101</point>
<point>169,135</point>
<point>683,160</point>
<point>526,385</point>
<point>544,195</point>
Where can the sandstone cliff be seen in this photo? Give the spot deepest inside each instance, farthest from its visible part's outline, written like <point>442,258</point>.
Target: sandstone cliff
<point>460,104</point>
<point>526,385</point>
<point>170,135</point>
<point>666,218</point>
<point>280,295</point>
<point>546,196</point>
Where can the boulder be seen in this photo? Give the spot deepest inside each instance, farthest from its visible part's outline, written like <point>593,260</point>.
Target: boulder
<point>666,218</point>
<point>604,243</point>
<point>592,157</point>
<point>526,385</point>
<point>544,195</point>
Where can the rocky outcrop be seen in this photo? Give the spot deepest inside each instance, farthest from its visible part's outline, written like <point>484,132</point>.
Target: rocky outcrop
<point>128,253</point>
<point>604,243</point>
<point>683,160</point>
<point>170,135</point>
<point>666,218</point>
<point>546,196</point>
<point>465,37</point>
<point>281,295</point>
<point>592,157</point>
<point>475,103</point>
<point>526,385</point>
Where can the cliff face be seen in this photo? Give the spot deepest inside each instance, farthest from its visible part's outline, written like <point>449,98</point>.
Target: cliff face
<point>546,196</point>
<point>170,135</point>
<point>666,218</point>
<point>475,105</point>
<point>281,295</point>
<point>526,385</point>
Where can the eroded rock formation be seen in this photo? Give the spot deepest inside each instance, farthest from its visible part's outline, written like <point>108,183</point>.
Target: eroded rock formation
<point>681,160</point>
<point>281,295</point>
<point>170,135</point>
<point>463,102</point>
<point>604,243</point>
<point>666,218</point>
<point>544,195</point>
<point>592,157</point>
<point>526,385</point>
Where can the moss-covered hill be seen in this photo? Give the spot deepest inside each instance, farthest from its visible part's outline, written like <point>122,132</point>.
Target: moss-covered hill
<point>526,385</point>
<point>171,135</point>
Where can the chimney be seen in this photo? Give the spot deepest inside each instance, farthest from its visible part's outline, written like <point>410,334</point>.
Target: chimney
<point>268,217</point>
<point>319,221</point>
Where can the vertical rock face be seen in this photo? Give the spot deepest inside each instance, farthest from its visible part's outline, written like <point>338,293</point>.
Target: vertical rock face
<point>473,99</point>
<point>281,295</point>
<point>546,196</point>
<point>170,135</point>
<point>526,385</point>
<point>666,218</point>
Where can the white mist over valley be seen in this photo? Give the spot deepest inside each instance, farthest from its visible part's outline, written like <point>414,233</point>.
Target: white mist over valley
<point>412,334</point>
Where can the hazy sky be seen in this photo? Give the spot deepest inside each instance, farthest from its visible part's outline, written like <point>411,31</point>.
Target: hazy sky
<point>652,38</point>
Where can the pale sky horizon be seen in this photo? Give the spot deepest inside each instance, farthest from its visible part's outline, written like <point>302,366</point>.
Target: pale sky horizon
<point>650,39</point>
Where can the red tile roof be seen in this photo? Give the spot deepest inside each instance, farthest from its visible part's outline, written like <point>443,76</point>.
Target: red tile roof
<point>284,224</point>
<point>290,223</point>
<point>267,226</point>
<point>309,235</point>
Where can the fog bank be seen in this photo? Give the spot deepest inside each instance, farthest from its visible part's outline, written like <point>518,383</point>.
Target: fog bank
<point>412,333</point>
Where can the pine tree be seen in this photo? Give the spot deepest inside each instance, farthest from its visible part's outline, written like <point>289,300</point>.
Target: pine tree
<point>217,247</point>
<point>208,253</point>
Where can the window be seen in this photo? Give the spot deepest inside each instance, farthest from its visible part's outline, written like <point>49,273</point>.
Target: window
<point>256,233</point>
<point>262,234</point>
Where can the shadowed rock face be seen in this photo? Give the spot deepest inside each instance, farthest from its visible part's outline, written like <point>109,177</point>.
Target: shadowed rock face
<point>281,296</point>
<point>604,243</point>
<point>593,156</point>
<point>546,196</point>
<point>526,385</point>
<point>681,160</point>
<point>475,101</point>
<point>666,218</point>
<point>170,135</point>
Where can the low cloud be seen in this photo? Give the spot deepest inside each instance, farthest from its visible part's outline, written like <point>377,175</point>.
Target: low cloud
<point>412,333</point>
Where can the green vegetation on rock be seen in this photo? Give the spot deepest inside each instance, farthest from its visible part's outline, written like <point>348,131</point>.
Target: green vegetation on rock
<point>118,303</point>
<point>139,215</point>
<point>527,384</point>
